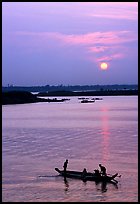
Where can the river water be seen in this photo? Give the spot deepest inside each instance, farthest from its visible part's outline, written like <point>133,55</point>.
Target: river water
<point>38,137</point>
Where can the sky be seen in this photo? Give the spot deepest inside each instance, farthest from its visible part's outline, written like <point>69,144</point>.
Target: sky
<point>53,43</point>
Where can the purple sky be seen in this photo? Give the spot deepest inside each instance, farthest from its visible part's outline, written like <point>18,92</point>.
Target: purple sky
<point>65,42</point>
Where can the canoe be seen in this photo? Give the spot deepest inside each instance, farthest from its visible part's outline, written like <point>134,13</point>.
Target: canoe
<point>88,177</point>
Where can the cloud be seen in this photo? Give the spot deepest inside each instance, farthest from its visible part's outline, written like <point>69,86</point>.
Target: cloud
<point>95,46</point>
<point>111,37</point>
<point>114,10</point>
<point>120,10</point>
<point>110,57</point>
<point>110,45</point>
<point>127,16</point>
<point>98,49</point>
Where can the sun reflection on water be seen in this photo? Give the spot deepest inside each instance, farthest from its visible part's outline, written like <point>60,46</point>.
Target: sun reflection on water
<point>105,135</point>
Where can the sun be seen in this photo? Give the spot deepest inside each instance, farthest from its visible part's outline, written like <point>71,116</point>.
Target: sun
<point>104,66</point>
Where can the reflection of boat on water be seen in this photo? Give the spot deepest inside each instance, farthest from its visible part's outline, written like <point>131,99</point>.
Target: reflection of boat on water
<point>102,186</point>
<point>66,184</point>
<point>88,177</point>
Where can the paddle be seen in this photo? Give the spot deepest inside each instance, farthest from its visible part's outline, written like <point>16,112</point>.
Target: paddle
<point>116,176</point>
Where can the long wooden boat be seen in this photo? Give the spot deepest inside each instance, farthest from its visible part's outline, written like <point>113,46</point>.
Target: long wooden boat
<point>88,177</point>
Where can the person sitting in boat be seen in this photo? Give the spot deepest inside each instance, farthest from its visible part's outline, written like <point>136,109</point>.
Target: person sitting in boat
<point>65,166</point>
<point>84,173</point>
<point>103,170</point>
<point>97,173</point>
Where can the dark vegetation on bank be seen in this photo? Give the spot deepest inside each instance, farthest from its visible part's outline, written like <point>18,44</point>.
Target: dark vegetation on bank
<point>20,97</point>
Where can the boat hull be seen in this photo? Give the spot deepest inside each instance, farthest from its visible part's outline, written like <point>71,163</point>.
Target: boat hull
<point>89,176</point>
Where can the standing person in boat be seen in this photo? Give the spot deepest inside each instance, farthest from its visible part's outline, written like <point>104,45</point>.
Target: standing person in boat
<point>65,166</point>
<point>103,170</point>
<point>84,173</point>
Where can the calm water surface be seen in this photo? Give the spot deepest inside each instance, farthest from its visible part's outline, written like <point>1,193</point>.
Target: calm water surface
<point>38,137</point>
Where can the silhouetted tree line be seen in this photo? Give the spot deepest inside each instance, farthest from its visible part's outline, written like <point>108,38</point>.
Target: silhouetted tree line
<point>70,88</point>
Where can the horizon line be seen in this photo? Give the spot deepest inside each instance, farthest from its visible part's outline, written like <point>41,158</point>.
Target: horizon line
<point>11,85</point>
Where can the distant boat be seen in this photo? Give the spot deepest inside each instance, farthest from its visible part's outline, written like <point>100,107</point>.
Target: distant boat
<point>97,99</point>
<point>82,98</point>
<point>87,101</point>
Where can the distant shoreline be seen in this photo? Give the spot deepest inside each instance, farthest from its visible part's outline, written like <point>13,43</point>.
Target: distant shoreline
<point>74,88</point>
<point>90,93</point>
<point>22,97</point>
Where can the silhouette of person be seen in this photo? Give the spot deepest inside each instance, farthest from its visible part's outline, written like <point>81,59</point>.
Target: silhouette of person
<point>97,173</point>
<point>65,166</point>
<point>103,170</point>
<point>84,173</point>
